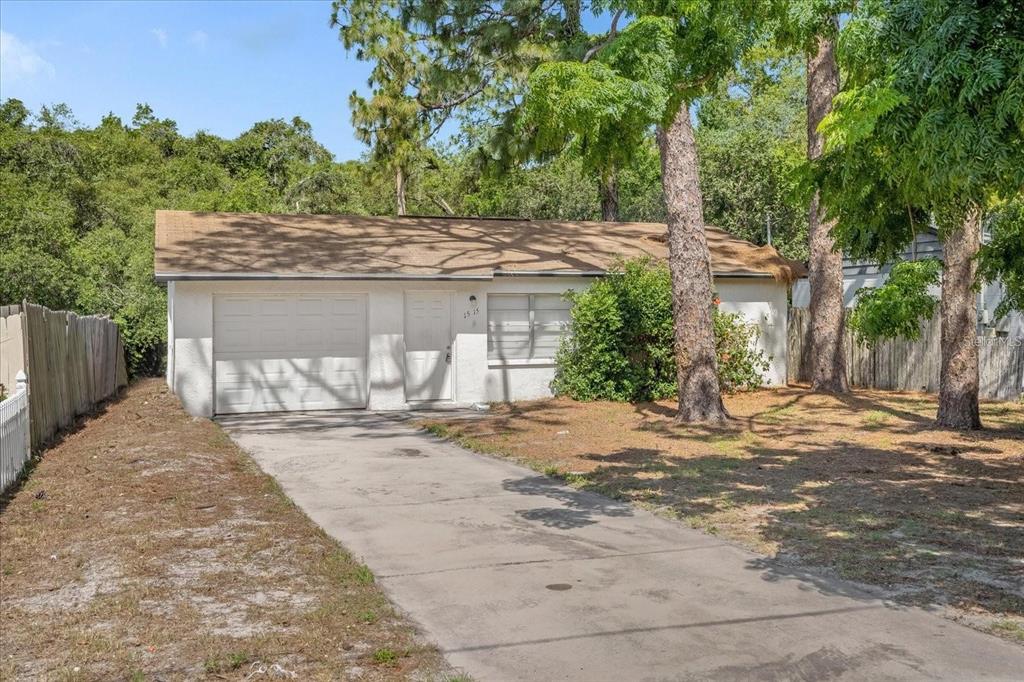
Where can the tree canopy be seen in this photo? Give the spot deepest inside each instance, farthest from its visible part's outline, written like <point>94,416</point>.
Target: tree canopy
<point>931,120</point>
<point>930,130</point>
<point>77,222</point>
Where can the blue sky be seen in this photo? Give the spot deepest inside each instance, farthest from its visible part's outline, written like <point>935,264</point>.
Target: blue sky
<point>217,66</point>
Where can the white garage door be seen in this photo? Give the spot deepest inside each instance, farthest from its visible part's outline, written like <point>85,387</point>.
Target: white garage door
<point>289,352</point>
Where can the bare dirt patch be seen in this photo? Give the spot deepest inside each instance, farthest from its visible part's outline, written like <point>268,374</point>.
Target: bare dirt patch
<point>145,545</point>
<point>863,485</point>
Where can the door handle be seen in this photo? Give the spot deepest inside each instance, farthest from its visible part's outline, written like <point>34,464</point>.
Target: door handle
<point>448,355</point>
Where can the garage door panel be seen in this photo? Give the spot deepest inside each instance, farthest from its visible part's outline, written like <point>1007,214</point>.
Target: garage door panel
<point>277,385</point>
<point>290,352</point>
<point>309,307</point>
<point>342,306</point>
<point>233,338</point>
<point>347,346</point>
<point>274,307</point>
<point>273,339</point>
<point>235,307</point>
<point>237,395</point>
<point>311,339</point>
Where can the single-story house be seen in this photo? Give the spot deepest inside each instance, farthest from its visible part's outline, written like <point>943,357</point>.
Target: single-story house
<point>312,312</point>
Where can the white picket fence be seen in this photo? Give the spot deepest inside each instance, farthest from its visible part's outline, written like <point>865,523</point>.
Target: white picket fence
<point>15,447</point>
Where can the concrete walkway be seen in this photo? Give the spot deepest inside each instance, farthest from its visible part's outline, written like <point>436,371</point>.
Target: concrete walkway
<point>516,577</point>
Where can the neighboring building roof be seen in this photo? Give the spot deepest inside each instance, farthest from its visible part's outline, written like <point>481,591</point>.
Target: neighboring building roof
<point>257,246</point>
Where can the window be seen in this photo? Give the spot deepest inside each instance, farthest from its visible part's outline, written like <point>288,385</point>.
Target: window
<point>525,326</point>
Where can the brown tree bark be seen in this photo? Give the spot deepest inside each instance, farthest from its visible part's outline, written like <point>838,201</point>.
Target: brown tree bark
<point>573,23</point>
<point>400,190</point>
<point>958,382</point>
<point>700,397</point>
<point>827,310</point>
<point>609,189</point>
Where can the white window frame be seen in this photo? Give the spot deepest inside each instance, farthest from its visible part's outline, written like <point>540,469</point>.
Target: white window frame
<point>532,321</point>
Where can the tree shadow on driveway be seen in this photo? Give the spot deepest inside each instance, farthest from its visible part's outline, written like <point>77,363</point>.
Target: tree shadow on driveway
<point>576,508</point>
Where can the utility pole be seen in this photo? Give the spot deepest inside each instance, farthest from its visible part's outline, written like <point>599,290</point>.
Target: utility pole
<point>769,229</point>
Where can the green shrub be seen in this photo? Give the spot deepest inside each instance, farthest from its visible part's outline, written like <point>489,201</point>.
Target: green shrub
<point>741,366</point>
<point>621,346</point>
<point>1001,259</point>
<point>897,308</point>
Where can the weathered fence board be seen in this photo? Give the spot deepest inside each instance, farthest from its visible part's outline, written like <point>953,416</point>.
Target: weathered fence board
<point>73,362</point>
<point>903,365</point>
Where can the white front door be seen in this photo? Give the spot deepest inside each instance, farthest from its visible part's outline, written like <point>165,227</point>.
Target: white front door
<point>428,345</point>
<point>289,352</point>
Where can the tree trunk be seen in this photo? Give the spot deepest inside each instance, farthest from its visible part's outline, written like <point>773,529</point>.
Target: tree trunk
<point>700,398</point>
<point>610,195</point>
<point>827,310</point>
<point>572,24</point>
<point>958,382</point>
<point>400,190</point>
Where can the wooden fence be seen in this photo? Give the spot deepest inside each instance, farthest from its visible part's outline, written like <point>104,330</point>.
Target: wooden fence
<point>913,365</point>
<point>73,362</point>
<point>15,447</point>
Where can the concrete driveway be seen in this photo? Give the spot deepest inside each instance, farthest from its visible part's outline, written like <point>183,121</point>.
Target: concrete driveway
<point>516,577</point>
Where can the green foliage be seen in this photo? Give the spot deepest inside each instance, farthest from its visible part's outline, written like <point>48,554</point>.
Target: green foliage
<point>621,342</point>
<point>931,119</point>
<point>590,103</point>
<point>605,106</point>
<point>391,120</point>
<point>78,205</point>
<point>560,189</point>
<point>432,61</point>
<point>478,57</point>
<point>1002,258</point>
<point>896,308</point>
<point>640,194</point>
<point>621,346</point>
<point>665,58</point>
<point>797,24</point>
<point>741,366</point>
<point>752,139</point>
<point>77,217</point>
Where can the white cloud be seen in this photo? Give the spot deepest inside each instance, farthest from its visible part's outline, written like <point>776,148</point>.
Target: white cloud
<point>160,35</point>
<point>199,38</point>
<point>20,60</point>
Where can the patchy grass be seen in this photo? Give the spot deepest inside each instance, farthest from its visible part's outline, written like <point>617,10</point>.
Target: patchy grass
<point>863,485</point>
<point>1012,629</point>
<point>145,545</point>
<point>385,656</point>
<point>226,663</point>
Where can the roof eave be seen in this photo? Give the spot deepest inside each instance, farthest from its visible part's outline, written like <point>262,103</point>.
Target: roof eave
<point>271,276</point>
<point>235,276</point>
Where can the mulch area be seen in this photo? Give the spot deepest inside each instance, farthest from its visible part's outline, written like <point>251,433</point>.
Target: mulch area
<point>146,546</point>
<point>863,486</point>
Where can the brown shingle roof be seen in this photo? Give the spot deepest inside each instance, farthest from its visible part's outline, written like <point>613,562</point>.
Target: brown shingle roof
<point>192,245</point>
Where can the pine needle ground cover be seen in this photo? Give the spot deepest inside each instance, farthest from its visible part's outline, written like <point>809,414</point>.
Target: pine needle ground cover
<point>147,546</point>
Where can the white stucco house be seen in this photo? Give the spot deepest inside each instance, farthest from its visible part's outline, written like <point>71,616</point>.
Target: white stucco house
<point>300,312</point>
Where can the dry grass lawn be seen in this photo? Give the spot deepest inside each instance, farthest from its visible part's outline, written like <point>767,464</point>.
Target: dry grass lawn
<point>146,546</point>
<point>864,486</point>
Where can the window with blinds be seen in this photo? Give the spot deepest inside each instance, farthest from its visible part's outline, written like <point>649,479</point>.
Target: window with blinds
<point>525,326</point>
